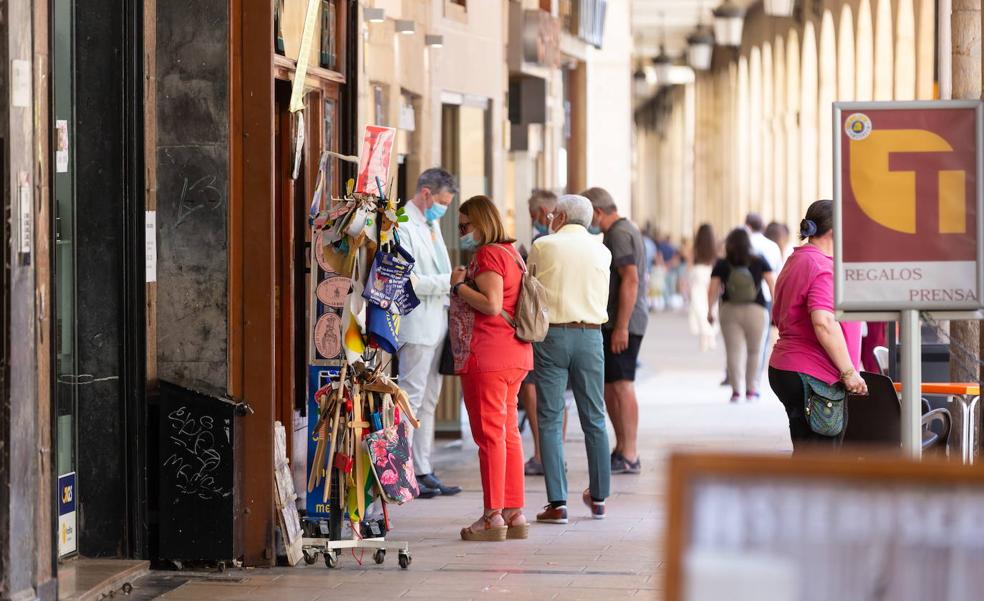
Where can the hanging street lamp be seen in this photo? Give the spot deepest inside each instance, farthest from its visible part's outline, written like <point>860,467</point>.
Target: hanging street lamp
<point>700,49</point>
<point>663,67</point>
<point>729,19</point>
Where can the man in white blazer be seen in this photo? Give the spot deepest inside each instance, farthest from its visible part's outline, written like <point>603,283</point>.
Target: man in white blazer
<point>422,332</point>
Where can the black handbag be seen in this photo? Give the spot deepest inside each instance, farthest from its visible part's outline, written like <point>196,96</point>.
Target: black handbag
<point>446,366</point>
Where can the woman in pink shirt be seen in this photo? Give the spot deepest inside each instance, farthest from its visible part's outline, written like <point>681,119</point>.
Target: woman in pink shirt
<point>811,342</point>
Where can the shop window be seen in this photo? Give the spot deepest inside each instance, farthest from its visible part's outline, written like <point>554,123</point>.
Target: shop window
<point>329,30</point>
<point>327,51</point>
<point>584,19</point>
<point>278,28</point>
<point>331,143</point>
<point>408,145</point>
<point>380,101</point>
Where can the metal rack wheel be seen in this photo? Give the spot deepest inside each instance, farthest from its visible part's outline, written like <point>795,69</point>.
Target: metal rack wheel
<point>379,556</point>
<point>405,560</point>
<point>331,559</point>
<point>310,557</point>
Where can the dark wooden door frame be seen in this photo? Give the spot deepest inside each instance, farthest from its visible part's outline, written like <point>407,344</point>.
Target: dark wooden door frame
<point>252,272</point>
<point>253,254</point>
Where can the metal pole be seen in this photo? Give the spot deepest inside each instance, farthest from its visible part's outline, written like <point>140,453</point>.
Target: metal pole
<point>911,368</point>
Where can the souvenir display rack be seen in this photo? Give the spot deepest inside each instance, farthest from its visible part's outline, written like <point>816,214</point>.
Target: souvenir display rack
<point>361,400</point>
<point>362,455</point>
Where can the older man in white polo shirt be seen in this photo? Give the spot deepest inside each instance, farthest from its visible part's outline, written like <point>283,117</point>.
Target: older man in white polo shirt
<point>574,268</point>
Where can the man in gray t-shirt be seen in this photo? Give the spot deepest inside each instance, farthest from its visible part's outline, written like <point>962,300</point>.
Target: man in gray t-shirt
<point>627,320</point>
<point>625,241</point>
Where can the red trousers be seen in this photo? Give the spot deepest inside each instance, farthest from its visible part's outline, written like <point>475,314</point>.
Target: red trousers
<point>490,399</point>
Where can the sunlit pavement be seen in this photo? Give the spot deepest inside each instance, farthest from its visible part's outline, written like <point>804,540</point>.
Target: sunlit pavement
<point>682,405</point>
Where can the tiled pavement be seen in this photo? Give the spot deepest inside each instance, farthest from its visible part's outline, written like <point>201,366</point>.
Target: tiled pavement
<point>618,558</point>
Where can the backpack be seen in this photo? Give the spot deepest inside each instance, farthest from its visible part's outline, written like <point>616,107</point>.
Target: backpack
<point>531,321</point>
<point>741,286</point>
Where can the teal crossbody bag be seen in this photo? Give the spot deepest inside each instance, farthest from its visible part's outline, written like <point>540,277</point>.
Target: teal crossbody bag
<point>825,406</point>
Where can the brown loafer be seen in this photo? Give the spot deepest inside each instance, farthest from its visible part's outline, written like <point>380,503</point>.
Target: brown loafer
<point>553,515</point>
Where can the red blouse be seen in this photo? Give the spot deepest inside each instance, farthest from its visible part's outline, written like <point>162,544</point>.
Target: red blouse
<point>484,343</point>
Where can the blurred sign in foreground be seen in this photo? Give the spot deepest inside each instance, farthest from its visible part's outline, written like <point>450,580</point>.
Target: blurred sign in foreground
<point>908,190</point>
<point>817,528</point>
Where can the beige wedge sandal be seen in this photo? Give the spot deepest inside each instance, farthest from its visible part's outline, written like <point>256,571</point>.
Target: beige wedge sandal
<point>488,534</point>
<point>517,531</point>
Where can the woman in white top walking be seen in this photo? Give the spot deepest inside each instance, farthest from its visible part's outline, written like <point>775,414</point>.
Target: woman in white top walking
<point>705,255</point>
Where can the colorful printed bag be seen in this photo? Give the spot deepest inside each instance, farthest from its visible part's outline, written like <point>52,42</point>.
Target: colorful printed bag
<point>392,463</point>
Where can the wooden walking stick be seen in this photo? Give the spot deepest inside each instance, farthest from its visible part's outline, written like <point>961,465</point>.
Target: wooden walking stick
<point>358,426</point>
<point>339,401</point>
<point>321,426</point>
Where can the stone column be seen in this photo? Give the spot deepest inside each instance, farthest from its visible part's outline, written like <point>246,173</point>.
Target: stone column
<point>19,422</point>
<point>965,22</point>
<point>966,56</point>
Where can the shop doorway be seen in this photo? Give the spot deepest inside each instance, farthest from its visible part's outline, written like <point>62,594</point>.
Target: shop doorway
<point>466,153</point>
<point>290,240</point>
<point>294,338</point>
<point>63,272</point>
<point>97,281</point>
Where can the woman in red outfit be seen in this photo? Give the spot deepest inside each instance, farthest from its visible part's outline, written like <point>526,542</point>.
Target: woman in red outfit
<point>492,363</point>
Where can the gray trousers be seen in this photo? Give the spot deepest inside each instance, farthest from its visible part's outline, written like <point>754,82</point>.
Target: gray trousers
<point>743,326</point>
<point>420,379</point>
<point>576,354</point>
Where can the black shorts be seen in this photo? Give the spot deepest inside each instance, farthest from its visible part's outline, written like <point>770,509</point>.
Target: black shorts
<point>623,365</point>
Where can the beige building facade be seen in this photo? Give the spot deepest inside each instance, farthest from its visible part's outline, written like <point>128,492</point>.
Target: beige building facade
<point>509,95</point>
<point>434,70</point>
<point>754,133</point>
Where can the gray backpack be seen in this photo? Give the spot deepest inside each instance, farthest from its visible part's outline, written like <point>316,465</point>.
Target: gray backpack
<point>741,286</point>
<point>531,321</point>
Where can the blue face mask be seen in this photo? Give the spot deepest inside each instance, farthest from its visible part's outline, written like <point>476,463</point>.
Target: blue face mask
<point>468,242</point>
<point>594,229</point>
<point>540,228</point>
<point>435,211</point>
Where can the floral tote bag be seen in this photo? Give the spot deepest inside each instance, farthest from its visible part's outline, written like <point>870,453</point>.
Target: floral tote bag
<point>392,463</point>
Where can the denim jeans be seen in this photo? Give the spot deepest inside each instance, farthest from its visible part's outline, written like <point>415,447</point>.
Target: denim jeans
<point>575,355</point>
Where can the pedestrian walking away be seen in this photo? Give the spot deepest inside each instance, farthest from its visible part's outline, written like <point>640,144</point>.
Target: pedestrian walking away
<point>769,250</point>
<point>813,350</point>
<point>423,331</point>
<point>737,281</point>
<point>542,206</point>
<point>627,321</point>
<point>705,256</point>
<point>779,233</point>
<point>573,267</point>
<point>492,362</point>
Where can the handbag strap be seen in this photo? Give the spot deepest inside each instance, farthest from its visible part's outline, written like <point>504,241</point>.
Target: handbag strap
<point>522,267</point>
<point>833,392</point>
<point>515,256</point>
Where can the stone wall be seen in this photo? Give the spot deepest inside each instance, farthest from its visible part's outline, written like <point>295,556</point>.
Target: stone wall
<point>192,193</point>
